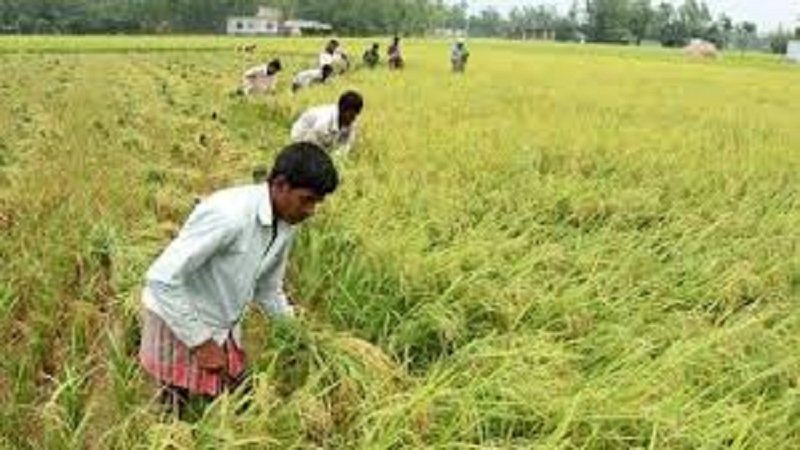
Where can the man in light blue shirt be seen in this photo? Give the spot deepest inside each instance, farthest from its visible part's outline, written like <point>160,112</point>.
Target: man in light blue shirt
<point>232,249</point>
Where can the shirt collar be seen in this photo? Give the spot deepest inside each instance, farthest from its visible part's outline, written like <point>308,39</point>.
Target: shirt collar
<point>265,216</point>
<point>335,117</point>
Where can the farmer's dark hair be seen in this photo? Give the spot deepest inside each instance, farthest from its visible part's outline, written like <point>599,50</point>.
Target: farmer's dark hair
<point>274,66</point>
<point>351,100</point>
<point>306,165</point>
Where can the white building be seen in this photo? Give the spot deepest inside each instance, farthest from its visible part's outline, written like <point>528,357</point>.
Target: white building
<point>793,51</point>
<point>266,21</point>
<point>298,27</point>
<point>269,21</point>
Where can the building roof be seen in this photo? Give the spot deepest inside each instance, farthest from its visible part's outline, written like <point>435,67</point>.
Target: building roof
<point>307,24</point>
<point>251,18</point>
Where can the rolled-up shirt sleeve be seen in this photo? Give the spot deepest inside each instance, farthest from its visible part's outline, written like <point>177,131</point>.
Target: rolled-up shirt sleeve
<point>206,232</point>
<point>254,72</point>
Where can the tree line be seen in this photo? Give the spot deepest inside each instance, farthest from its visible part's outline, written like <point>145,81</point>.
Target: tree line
<point>631,22</point>
<point>607,21</point>
<point>209,16</point>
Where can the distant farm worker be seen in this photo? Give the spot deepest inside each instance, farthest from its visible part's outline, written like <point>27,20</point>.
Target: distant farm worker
<point>332,127</point>
<point>372,56</point>
<point>395,54</point>
<point>326,58</point>
<point>341,62</point>
<point>261,79</point>
<point>247,48</point>
<point>311,76</point>
<point>459,56</point>
<point>233,249</point>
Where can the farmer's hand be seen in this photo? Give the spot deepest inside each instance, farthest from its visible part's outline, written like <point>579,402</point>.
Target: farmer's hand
<point>299,311</point>
<point>210,356</point>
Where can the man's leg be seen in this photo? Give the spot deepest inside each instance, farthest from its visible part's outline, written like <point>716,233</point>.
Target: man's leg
<point>183,405</point>
<point>174,399</point>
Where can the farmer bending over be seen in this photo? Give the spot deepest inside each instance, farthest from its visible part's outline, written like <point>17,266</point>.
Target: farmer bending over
<point>332,127</point>
<point>261,79</point>
<point>371,57</point>
<point>309,77</point>
<point>232,249</point>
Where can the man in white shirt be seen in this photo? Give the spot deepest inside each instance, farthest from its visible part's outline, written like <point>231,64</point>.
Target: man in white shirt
<point>261,79</point>
<point>459,56</point>
<point>332,127</point>
<point>233,249</point>
<point>326,58</point>
<point>311,76</point>
<point>341,62</point>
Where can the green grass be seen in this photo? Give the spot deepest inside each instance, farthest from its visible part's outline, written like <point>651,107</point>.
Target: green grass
<point>568,247</point>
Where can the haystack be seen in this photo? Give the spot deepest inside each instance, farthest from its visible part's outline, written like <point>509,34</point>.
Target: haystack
<point>699,48</point>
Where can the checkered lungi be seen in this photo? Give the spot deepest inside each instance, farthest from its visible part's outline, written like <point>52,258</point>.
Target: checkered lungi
<point>168,359</point>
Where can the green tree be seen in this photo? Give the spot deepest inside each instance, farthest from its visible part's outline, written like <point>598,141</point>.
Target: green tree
<point>779,41</point>
<point>488,23</point>
<point>641,16</point>
<point>457,16</point>
<point>695,18</point>
<point>669,29</point>
<point>522,20</point>
<point>607,21</point>
<point>745,35</point>
<point>206,16</point>
<point>566,29</point>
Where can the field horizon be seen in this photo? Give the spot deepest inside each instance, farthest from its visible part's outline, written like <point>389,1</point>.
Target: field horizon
<point>568,246</point>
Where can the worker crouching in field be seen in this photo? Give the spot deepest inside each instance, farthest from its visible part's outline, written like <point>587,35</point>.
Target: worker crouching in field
<point>327,55</point>
<point>261,79</point>
<point>341,61</point>
<point>372,56</point>
<point>459,56</point>
<point>309,77</point>
<point>232,249</point>
<point>334,55</point>
<point>332,127</point>
<point>395,54</point>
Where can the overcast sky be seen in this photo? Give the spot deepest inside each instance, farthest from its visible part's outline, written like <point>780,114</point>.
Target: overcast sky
<point>767,14</point>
